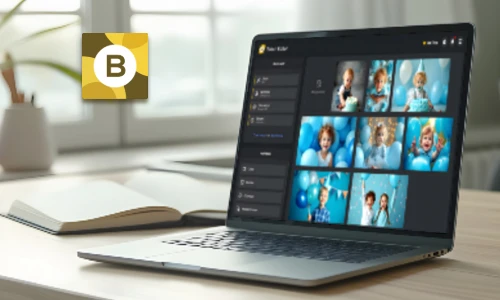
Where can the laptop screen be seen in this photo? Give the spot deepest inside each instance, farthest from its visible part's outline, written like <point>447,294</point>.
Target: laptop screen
<point>357,131</point>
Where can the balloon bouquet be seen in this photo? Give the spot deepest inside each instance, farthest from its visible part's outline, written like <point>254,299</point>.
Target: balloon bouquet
<point>309,184</point>
<point>341,147</point>
<point>442,131</point>
<point>364,148</point>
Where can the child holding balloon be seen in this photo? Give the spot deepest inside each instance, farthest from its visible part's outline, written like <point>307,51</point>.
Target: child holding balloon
<point>377,157</point>
<point>426,142</point>
<point>320,214</point>
<point>367,201</point>
<point>326,136</point>
<point>379,94</point>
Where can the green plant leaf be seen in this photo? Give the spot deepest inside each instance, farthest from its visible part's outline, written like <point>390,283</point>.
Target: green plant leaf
<point>11,13</point>
<point>75,75</point>
<point>43,32</point>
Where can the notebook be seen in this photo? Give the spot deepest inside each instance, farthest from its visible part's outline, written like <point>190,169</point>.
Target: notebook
<point>148,200</point>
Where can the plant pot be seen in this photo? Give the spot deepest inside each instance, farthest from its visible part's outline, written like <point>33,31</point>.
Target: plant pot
<point>26,139</point>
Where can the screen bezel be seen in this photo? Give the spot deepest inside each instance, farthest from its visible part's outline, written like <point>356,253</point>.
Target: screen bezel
<point>343,229</point>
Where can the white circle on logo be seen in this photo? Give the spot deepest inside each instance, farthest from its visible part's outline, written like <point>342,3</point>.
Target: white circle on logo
<point>101,66</point>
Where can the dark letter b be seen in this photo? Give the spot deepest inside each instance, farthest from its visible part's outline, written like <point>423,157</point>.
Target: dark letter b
<point>119,65</point>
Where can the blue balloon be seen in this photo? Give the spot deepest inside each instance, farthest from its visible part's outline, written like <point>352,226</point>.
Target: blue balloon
<point>401,120</point>
<point>350,138</point>
<point>394,180</point>
<point>305,136</point>
<point>420,164</point>
<point>304,180</point>
<point>400,129</point>
<point>436,92</point>
<point>444,95</point>
<point>390,67</point>
<point>365,134</point>
<point>363,122</point>
<point>313,177</point>
<point>316,122</point>
<point>359,160</point>
<point>376,64</point>
<point>441,164</point>
<point>364,176</point>
<point>367,149</point>
<point>313,192</point>
<point>399,98</point>
<point>409,161</point>
<point>423,121</point>
<point>315,142</point>
<point>340,155</point>
<point>350,150</point>
<point>413,131</point>
<point>340,122</point>
<point>353,123</point>
<point>341,164</point>
<point>335,143</point>
<point>301,199</point>
<point>328,121</point>
<point>444,126</point>
<point>309,158</point>
<point>394,155</point>
<point>343,133</point>
<point>445,152</point>
<point>298,157</point>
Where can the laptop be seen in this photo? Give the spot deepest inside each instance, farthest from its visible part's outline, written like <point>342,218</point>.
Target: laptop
<point>348,160</point>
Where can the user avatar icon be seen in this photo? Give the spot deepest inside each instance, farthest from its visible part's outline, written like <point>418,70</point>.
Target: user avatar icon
<point>262,49</point>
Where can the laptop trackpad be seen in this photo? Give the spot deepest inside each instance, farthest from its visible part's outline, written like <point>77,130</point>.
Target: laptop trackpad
<point>214,259</point>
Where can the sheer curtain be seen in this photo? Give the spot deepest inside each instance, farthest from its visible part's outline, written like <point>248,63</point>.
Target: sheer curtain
<point>484,101</point>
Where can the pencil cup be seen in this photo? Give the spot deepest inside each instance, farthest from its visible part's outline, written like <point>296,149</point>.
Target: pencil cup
<point>26,140</point>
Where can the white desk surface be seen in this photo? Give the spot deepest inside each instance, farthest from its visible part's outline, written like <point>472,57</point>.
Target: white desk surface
<point>36,265</point>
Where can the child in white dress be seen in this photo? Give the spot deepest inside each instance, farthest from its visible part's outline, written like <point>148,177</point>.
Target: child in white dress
<point>377,157</point>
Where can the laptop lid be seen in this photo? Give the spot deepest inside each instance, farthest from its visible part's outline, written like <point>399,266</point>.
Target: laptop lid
<point>354,132</point>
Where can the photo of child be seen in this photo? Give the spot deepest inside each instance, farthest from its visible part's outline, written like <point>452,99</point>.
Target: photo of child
<point>378,200</point>
<point>379,86</point>
<point>319,197</point>
<point>427,145</point>
<point>379,143</point>
<point>326,142</point>
<point>421,85</point>
<point>349,86</point>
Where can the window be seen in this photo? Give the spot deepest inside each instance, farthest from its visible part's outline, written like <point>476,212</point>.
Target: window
<point>199,54</point>
<point>74,121</point>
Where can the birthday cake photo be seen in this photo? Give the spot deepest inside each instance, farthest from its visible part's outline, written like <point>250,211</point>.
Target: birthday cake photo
<point>351,104</point>
<point>419,105</point>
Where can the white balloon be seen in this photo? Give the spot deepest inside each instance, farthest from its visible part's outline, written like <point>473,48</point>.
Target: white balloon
<point>443,62</point>
<point>405,71</point>
<point>313,177</point>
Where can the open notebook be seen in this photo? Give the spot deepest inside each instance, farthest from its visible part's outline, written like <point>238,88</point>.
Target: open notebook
<point>146,200</point>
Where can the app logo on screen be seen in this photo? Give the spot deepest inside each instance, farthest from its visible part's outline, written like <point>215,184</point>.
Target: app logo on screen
<point>114,66</point>
<point>262,49</point>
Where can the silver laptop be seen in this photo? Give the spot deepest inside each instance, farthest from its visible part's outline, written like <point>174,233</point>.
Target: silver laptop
<point>348,159</point>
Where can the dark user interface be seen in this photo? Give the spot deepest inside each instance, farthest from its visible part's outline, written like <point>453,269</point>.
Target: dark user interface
<point>351,131</point>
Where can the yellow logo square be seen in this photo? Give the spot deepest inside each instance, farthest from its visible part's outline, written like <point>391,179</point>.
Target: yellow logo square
<point>262,49</point>
<point>114,66</point>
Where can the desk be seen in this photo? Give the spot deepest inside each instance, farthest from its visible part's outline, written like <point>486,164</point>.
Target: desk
<point>35,265</point>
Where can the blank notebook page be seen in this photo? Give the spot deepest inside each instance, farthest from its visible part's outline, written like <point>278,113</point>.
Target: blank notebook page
<point>89,201</point>
<point>182,192</point>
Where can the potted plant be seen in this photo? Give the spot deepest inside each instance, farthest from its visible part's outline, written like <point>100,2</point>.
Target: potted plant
<point>26,141</point>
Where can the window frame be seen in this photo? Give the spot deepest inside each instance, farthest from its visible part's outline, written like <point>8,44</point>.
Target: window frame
<point>206,123</point>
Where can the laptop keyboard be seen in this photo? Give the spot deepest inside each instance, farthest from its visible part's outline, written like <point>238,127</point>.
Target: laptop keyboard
<point>292,246</point>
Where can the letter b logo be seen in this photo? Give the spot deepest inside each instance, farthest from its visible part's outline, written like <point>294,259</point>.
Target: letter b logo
<point>114,66</point>
<point>118,65</point>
